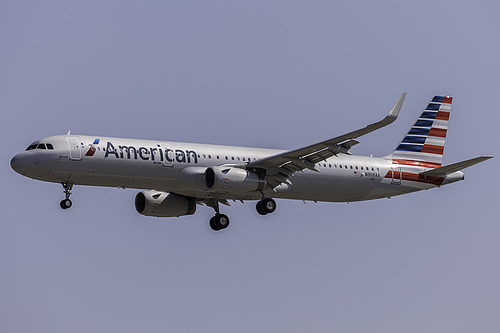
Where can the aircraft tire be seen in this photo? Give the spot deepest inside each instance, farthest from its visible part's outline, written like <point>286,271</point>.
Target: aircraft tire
<point>269,205</point>
<point>219,222</point>
<point>222,221</point>
<point>213,224</point>
<point>65,204</point>
<point>260,208</point>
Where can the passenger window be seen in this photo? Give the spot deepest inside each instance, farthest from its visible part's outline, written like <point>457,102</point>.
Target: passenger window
<point>340,166</point>
<point>351,167</point>
<point>41,146</point>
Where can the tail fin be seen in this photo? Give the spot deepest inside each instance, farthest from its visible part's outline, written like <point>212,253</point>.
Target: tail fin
<point>426,138</point>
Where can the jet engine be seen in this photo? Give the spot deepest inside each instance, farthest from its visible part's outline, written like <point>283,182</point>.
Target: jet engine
<point>163,204</point>
<point>192,178</point>
<point>234,180</point>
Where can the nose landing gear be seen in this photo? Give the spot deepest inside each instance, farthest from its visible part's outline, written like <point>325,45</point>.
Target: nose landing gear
<point>66,203</point>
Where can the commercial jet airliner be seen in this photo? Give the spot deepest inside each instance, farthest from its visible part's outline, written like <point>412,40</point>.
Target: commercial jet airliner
<point>179,176</point>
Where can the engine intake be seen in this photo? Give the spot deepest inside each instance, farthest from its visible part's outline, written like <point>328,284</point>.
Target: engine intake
<point>163,204</point>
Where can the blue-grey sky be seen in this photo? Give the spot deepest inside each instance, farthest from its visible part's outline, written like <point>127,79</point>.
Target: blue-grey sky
<point>277,74</point>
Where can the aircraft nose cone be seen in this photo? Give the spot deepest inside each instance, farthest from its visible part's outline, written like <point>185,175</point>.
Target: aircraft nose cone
<point>19,163</point>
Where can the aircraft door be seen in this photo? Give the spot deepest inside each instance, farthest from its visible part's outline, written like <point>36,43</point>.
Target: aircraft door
<point>75,151</point>
<point>396,174</point>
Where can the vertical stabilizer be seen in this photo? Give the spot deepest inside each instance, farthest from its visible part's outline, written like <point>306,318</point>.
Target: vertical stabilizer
<point>425,141</point>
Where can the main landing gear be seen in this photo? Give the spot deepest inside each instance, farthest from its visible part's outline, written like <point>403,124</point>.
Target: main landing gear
<point>66,203</point>
<point>266,206</point>
<point>219,221</point>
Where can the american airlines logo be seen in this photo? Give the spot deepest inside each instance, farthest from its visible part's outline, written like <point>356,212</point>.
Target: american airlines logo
<point>158,153</point>
<point>92,148</point>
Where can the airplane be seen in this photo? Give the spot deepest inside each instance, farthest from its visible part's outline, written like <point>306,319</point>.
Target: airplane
<point>176,176</point>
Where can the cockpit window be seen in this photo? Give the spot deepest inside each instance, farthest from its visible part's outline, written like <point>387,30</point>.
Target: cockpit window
<point>40,146</point>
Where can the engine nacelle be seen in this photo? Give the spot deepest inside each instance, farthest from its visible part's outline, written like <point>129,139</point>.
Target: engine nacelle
<point>163,204</point>
<point>234,180</point>
<point>192,178</point>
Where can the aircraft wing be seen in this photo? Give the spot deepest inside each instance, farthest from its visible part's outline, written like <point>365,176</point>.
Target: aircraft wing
<point>281,166</point>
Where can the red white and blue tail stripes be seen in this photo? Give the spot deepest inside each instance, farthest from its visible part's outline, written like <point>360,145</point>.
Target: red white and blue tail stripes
<point>426,138</point>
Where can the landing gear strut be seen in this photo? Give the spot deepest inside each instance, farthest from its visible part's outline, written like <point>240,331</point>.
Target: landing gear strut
<point>219,221</point>
<point>66,203</point>
<point>266,206</point>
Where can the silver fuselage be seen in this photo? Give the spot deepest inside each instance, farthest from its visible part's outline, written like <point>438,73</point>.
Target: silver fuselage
<point>147,164</point>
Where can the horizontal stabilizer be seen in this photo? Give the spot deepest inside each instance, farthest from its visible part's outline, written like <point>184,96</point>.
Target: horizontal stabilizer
<point>446,170</point>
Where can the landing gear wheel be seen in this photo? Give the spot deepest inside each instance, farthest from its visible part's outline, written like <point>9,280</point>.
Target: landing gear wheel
<point>213,225</point>
<point>266,206</point>
<point>222,221</point>
<point>219,222</point>
<point>269,205</point>
<point>65,204</point>
<point>260,209</point>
